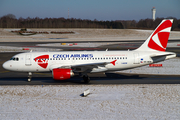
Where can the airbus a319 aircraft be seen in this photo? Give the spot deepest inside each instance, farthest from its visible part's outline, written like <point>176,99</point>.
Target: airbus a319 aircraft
<point>63,65</point>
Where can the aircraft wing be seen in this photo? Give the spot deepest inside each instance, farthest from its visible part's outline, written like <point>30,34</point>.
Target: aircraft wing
<point>83,67</point>
<point>90,64</point>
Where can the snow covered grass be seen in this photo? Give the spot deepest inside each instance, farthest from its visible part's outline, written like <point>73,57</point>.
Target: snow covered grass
<point>118,102</point>
<point>81,35</point>
<point>21,49</point>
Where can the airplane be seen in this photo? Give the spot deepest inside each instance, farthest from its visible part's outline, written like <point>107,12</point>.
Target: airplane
<point>65,64</point>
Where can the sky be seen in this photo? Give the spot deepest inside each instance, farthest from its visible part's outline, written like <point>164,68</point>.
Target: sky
<point>91,9</point>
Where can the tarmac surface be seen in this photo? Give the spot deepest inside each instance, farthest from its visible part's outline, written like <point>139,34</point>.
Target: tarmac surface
<point>12,78</point>
<point>123,45</point>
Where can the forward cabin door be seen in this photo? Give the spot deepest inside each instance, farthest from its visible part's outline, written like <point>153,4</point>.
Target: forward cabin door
<point>28,60</point>
<point>136,58</point>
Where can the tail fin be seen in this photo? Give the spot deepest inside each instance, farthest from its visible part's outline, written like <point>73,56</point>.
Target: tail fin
<point>157,41</point>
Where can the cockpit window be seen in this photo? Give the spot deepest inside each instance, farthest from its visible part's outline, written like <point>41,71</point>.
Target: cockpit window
<point>15,59</point>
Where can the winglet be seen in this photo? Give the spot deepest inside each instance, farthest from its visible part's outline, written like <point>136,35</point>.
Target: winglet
<point>157,41</point>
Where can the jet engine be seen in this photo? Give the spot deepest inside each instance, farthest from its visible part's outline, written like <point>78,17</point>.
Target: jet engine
<point>62,74</point>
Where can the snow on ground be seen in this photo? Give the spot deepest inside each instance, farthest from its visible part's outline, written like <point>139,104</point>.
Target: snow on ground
<point>106,102</point>
<point>81,35</point>
<point>21,49</point>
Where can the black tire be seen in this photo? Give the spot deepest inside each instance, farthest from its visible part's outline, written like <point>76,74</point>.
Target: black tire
<point>86,79</point>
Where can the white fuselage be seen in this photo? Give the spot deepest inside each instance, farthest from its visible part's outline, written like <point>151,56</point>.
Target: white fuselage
<point>46,61</point>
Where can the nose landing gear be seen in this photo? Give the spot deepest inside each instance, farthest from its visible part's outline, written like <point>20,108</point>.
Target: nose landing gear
<point>30,76</point>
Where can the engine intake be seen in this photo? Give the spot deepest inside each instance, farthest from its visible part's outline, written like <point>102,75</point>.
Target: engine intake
<point>62,74</point>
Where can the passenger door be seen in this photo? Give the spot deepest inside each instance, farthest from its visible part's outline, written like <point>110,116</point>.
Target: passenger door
<point>28,60</point>
<point>136,58</point>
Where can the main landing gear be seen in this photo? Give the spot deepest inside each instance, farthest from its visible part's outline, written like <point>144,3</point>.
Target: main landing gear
<point>30,76</point>
<point>86,78</point>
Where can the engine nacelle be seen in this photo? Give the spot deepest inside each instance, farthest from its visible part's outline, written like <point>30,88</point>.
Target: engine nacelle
<point>62,74</point>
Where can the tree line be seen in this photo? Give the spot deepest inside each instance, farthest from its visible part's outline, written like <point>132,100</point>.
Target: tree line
<point>10,21</point>
<point>149,23</point>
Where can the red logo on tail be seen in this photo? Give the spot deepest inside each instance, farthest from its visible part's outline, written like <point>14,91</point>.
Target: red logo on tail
<point>42,61</point>
<point>159,39</point>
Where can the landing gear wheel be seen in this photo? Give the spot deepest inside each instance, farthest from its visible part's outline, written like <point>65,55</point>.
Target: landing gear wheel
<point>29,80</point>
<point>29,77</point>
<point>86,79</point>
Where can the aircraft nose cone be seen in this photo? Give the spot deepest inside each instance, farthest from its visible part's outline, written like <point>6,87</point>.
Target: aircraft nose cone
<point>5,65</point>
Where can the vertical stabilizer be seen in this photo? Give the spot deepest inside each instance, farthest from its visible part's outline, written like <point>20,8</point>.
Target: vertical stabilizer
<point>157,41</point>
